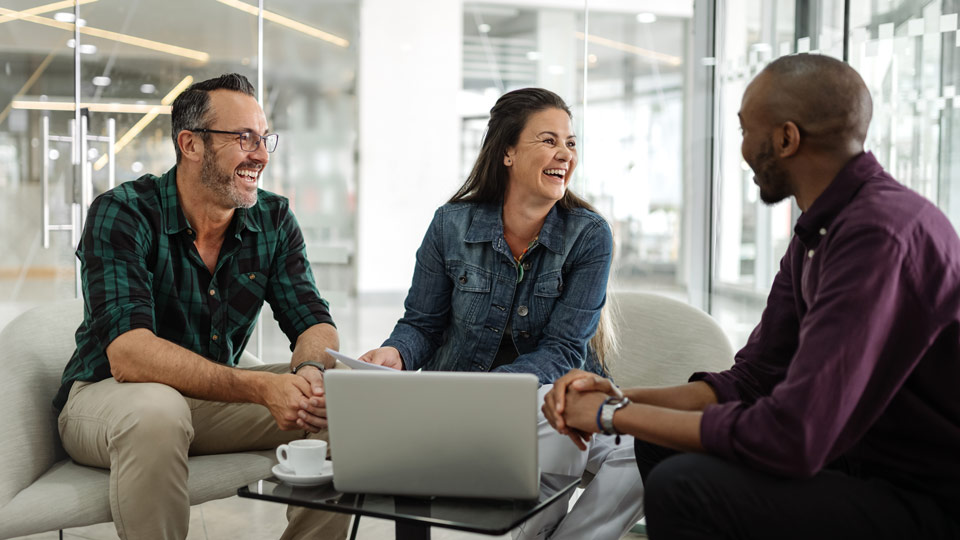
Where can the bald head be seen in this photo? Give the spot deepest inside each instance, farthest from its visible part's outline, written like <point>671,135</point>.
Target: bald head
<point>824,97</point>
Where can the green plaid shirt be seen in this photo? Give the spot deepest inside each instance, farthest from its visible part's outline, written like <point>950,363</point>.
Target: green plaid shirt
<point>140,269</point>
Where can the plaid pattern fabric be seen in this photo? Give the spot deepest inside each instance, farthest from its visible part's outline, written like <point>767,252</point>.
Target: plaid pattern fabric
<point>140,269</point>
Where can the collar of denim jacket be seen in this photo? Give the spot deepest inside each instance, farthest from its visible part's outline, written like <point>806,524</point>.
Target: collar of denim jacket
<point>487,226</point>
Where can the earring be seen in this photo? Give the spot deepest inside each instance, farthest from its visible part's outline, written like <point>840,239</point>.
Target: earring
<point>509,162</point>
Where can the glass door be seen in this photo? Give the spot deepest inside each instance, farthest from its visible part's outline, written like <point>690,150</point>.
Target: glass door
<point>38,156</point>
<point>87,106</point>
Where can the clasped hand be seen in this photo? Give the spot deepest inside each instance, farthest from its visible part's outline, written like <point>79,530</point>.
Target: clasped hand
<point>298,401</point>
<point>571,405</point>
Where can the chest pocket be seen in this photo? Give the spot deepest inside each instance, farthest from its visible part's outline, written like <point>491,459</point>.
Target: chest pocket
<point>248,289</point>
<point>548,289</point>
<point>471,291</point>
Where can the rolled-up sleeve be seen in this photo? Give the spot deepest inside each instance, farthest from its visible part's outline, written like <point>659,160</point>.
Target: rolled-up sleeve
<point>116,282</point>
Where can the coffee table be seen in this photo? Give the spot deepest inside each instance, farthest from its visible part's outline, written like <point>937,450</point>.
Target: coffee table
<point>414,516</point>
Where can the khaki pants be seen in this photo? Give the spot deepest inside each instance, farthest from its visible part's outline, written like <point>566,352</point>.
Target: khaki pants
<point>144,432</point>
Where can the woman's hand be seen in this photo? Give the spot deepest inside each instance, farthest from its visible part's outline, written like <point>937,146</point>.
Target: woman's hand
<point>384,356</point>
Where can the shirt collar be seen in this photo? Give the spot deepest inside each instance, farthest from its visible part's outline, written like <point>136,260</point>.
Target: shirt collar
<point>176,222</point>
<point>487,226</point>
<point>838,194</point>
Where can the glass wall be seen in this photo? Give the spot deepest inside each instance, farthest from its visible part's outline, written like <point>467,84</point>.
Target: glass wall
<point>908,53</point>
<point>630,118</point>
<point>750,236</point>
<point>381,106</point>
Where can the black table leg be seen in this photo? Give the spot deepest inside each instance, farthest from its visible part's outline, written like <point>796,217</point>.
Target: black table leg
<point>356,521</point>
<point>411,530</point>
<point>408,530</point>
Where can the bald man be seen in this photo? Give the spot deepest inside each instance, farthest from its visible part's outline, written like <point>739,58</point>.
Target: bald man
<point>841,416</point>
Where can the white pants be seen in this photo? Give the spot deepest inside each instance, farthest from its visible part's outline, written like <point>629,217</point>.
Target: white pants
<point>611,503</point>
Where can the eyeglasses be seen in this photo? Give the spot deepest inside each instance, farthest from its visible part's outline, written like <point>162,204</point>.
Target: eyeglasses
<point>249,141</point>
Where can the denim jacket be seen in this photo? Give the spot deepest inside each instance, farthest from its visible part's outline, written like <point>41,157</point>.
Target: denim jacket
<point>465,290</point>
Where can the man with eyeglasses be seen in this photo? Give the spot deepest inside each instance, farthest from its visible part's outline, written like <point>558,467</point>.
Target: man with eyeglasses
<point>175,270</point>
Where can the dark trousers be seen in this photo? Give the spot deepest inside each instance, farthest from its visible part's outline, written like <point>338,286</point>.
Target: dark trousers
<point>690,496</point>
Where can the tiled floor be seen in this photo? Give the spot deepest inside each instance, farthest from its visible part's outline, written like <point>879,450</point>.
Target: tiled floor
<point>244,519</point>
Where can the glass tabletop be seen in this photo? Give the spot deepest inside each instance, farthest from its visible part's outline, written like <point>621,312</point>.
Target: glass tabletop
<point>485,516</point>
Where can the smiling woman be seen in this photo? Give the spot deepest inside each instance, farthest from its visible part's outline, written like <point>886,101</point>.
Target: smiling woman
<point>511,277</point>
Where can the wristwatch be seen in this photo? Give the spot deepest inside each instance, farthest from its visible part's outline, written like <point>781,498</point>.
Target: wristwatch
<point>317,365</point>
<point>605,414</point>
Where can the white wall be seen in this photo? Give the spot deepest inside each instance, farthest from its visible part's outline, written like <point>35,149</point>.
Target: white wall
<point>409,78</point>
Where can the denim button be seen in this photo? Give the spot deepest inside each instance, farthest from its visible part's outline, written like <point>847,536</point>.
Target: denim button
<point>526,266</point>
<point>522,311</point>
<point>463,280</point>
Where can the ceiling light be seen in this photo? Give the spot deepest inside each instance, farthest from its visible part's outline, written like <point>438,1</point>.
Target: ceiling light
<point>63,16</point>
<point>101,81</point>
<point>45,105</point>
<point>107,34</point>
<point>10,15</point>
<point>592,58</point>
<point>147,88</point>
<point>533,56</point>
<point>85,48</point>
<point>626,47</point>
<point>483,28</point>
<point>646,18</point>
<point>289,23</point>
<point>131,133</point>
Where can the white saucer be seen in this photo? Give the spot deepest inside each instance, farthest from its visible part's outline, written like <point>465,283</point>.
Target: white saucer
<point>290,477</point>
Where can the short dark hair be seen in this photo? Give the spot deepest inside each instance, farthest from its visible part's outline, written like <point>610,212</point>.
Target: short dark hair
<point>191,107</point>
<point>826,96</point>
<point>487,182</point>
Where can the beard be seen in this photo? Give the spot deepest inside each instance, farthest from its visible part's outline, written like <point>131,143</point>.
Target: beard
<point>770,177</point>
<point>223,184</point>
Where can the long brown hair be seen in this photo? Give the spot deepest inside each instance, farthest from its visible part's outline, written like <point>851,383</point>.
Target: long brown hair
<point>487,182</point>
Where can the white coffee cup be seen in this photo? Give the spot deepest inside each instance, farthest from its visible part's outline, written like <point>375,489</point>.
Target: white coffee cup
<point>304,457</point>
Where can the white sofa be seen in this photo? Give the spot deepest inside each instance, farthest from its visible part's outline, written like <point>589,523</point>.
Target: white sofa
<point>41,488</point>
<point>663,341</point>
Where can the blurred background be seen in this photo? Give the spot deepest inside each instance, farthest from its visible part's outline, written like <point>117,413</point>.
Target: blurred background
<point>381,106</point>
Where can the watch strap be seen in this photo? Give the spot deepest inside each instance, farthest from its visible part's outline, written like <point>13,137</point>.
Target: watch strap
<point>317,365</point>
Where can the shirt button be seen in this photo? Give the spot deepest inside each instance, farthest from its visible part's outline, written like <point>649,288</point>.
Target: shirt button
<point>215,337</point>
<point>526,266</point>
<point>810,254</point>
<point>190,232</point>
<point>522,311</point>
<point>212,292</point>
<point>252,276</point>
<point>463,280</point>
<point>823,232</point>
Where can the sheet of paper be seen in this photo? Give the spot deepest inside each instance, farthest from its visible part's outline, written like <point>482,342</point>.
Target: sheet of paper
<point>356,364</point>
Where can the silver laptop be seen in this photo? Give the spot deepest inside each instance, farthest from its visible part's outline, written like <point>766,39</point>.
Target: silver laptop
<point>434,433</point>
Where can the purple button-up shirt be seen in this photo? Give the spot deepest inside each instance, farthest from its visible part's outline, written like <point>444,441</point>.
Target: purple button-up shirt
<point>857,354</point>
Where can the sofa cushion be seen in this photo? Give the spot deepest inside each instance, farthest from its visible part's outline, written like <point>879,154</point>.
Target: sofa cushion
<point>34,348</point>
<point>71,495</point>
